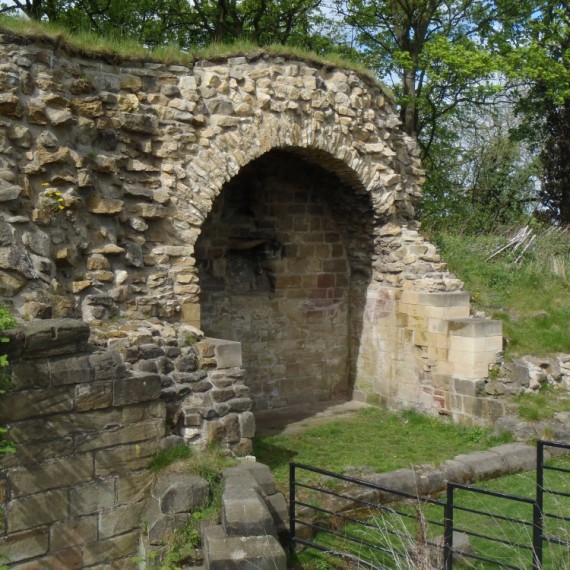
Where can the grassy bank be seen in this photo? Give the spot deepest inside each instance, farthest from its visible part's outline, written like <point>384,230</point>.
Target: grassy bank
<point>531,297</point>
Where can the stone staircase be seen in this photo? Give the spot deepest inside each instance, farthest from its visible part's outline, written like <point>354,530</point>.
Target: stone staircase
<point>254,515</point>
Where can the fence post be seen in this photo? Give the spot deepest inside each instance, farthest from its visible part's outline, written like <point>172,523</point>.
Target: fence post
<point>448,529</point>
<point>538,507</point>
<point>291,508</point>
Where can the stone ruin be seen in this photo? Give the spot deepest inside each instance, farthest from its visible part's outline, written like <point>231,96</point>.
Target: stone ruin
<point>263,200</point>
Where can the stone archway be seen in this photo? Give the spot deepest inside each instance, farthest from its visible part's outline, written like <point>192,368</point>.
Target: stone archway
<point>284,263</point>
<point>139,154</point>
<point>112,173</point>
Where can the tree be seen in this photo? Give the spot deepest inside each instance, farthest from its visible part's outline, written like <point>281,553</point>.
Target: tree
<point>432,51</point>
<point>186,23</point>
<point>262,21</point>
<point>536,47</point>
<point>480,178</point>
<point>34,9</point>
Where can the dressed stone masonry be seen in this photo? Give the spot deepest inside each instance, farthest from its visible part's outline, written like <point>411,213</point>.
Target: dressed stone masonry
<point>85,430</point>
<point>86,424</point>
<point>130,189</point>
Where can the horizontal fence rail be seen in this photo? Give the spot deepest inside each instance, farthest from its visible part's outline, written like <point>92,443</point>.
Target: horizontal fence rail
<point>369,515</point>
<point>361,530</point>
<point>451,527</point>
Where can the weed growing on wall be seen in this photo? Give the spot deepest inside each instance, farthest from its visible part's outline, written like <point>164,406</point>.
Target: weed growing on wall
<point>181,546</point>
<point>6,321</point>
<point>166,457</point>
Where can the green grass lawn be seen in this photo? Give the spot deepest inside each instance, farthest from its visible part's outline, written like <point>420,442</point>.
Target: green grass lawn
<point>375,438</point>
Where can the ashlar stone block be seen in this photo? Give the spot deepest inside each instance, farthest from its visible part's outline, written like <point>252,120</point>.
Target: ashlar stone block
<point>23,545</point>
<point>93,497</point>
<point>16,406</point>
<point>120,519</point>
<point>73,532</point>
<point>227,353</point>
<point>137,388</point>
<point>244,513</point>
<point>242,552</point>
<point>61,472</point>
<point>37,510</point>
<point>66,559</point>
<point>104,551</point>
<point>180,492</point>
<point>52,337</point>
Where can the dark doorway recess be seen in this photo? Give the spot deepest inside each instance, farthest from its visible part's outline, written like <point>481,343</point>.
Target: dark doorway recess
<point>285,259</point>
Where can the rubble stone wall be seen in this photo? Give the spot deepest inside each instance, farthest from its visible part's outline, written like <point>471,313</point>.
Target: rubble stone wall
<point>117,180</point>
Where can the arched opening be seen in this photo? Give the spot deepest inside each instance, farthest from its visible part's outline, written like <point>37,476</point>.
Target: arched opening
<point>285,259</point>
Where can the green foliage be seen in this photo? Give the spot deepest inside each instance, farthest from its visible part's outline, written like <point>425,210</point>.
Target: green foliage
<point>186,24</point>
<point>6,321</point>
<point>180,547</point>
<point>431,50</point>
<point>532,299</point>
<point>535,49</point>
<point>542,405</point>
<point>166,457</point>
<point>479,178</point>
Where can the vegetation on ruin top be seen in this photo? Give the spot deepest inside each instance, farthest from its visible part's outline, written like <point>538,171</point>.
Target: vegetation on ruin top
<point>119,49</point>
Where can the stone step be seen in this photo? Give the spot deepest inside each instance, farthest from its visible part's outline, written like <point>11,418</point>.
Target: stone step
<point>244,512</point>
<point>224,552</point>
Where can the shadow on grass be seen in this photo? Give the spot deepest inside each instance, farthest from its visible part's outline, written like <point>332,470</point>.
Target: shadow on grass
<point>272,455</point>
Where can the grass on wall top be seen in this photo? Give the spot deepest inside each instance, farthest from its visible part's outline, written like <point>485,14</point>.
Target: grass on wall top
<point>117,49</point>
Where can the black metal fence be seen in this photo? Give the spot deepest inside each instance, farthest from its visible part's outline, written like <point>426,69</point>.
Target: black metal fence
<point>358,524</point>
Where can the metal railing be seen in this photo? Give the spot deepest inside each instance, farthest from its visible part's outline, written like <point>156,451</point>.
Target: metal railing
<point>451,526</point>
<point>543,492</point>
<point>377,540</point>
<point>364,512</point>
